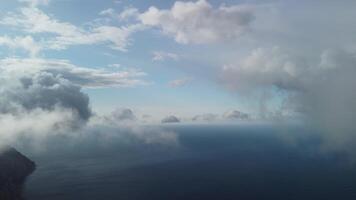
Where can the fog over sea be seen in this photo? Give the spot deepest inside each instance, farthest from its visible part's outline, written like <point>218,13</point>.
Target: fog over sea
<point>208,162</point>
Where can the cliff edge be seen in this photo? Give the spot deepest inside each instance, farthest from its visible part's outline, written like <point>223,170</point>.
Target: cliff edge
<point>14,168</point>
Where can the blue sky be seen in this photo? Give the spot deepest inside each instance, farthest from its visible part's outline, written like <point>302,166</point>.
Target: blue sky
<point>182,58</point>
<point>199,95</point>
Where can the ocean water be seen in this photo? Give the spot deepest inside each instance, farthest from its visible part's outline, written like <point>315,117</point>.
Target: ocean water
<point>211,162</point>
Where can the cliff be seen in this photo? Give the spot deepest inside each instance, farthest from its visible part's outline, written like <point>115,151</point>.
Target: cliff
<point>14,168</point>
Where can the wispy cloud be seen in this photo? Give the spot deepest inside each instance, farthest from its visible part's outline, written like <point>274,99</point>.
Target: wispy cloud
<point>33,20</point>
<point>81,76</point>
<point>162,56</point>
<point>35,2</point>
<point>180,82</point>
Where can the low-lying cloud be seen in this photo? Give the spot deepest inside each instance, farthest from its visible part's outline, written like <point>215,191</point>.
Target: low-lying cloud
<point>39,105</point>
<point>207,117</point>
<point>121,115</point>
<point>170,119</point>
<point>322,91</point>
<point>235,115</point>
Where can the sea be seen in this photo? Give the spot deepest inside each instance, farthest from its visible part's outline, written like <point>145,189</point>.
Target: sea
<point>208,162</point>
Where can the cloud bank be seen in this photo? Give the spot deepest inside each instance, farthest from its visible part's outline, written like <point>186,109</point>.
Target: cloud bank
<point>40,105</point>
<point>322,91</point>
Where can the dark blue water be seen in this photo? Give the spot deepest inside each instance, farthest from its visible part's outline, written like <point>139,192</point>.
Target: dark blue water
<point>211,162</point>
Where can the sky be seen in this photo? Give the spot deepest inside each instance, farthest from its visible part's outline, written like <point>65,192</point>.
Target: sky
<point>206,60</point>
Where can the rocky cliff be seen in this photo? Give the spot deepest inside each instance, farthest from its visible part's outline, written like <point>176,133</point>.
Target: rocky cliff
<point>14,168</point>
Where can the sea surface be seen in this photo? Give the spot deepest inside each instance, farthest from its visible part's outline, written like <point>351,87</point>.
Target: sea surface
<point>222,162</point>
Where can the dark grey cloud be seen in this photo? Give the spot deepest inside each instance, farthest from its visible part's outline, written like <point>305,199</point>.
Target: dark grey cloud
<point>44,91</point>
<point>170,119</point>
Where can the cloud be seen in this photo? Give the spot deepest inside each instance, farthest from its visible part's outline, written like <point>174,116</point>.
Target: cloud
<point>27,43</point>
<point>42,131</point>
<point>107,12</point>
<point>42,104</point>
<point>265,67</point>
<point>125,15</point>
<point>32,20</point>
<point>34,3</point>
<point>180,82</point>
<point>199,22</point>
<point>235,115</point>
<point>114,65</point>
<point>44,110</point>
<point>34,106</point>
<point>161,56</point>
<point>329,99</point>
<point>321,89</point>
<point>80,76</point>
<point>170,119</point>
<point>36,125</point>
<point>207,117</point>
<point>120,115</point>
<point>128,13</point>
<point>43,91</point>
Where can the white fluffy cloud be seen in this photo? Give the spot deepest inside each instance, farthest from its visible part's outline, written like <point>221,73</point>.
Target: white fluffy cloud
<point>27,43</point>
<point>199,22</point>
<point>44,130</point>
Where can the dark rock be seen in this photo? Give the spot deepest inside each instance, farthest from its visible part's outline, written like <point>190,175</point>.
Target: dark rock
<point>14,168</point>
